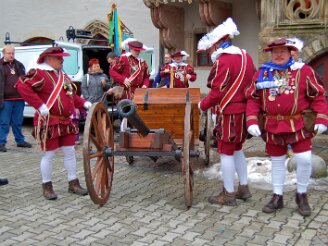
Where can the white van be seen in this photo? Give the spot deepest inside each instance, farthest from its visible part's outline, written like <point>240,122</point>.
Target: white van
<point>75,65</point>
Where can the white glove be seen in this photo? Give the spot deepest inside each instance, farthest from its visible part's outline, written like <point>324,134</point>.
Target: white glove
<point>254,130</point>
<point>214,118</point>
<point>87,105</point>
<point>199,107</point>
<point>320,128</point>
<point>44,111</point>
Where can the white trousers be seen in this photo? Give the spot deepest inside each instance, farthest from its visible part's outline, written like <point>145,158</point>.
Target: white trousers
<point>69,163</point>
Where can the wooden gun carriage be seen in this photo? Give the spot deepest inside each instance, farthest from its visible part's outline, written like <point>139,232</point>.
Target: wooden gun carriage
<point>166,123</point>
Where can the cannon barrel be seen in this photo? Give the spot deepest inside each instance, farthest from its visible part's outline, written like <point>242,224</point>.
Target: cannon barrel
<point>128,109</point>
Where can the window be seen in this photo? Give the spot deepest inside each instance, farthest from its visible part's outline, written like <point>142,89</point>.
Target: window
<point>71,66</point>
<point>203,58</point>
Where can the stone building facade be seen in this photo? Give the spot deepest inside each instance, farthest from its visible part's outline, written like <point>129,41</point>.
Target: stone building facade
<point>181,22</point>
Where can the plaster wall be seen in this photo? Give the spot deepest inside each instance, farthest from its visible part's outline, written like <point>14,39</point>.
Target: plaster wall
<point>25,19</point>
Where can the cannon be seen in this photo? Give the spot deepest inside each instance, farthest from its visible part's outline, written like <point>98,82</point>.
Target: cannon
<point>163,122</point>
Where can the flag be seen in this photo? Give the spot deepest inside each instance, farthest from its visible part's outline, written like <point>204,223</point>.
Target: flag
<point>114,30</point>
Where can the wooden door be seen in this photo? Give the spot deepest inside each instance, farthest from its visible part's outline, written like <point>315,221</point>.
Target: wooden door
<point>320,65</point>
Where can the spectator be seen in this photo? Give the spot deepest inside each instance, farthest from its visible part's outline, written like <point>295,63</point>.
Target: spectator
<point>159,82</point>
<point>283,93</point>
<point>229,76</point>
<point>130,71</point>
<point>182,72</point>
<point>95,83</point>
<point>111,57</point>
<point>53,95</point>
<point>11,103</point>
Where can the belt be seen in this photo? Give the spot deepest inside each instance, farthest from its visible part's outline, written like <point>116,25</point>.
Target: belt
<point>59,117</point>
<point>284,117</point>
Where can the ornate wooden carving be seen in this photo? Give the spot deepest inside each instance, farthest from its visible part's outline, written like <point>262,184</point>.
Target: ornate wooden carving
<point>213,12</point>
<point>170,22</point>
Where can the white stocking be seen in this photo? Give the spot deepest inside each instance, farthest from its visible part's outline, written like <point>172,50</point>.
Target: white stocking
<point>69,162</point>
<point>303,170</point>
<point>228,171</point>
<point>46,165</point>
<point>241,166</point>
<point>278,173</point>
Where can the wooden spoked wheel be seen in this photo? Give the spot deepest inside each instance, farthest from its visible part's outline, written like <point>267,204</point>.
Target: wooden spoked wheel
<point>208,135</point>
<point>188,144</point>
<point>98,168</point>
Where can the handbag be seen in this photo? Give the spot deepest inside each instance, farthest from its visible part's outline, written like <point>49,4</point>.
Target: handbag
<point>309,117</point>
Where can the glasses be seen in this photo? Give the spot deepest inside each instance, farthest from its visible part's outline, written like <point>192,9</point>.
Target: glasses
<point>9,53</point>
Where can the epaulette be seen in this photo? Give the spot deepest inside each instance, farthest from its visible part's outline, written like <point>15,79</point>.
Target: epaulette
<point>30,75</point>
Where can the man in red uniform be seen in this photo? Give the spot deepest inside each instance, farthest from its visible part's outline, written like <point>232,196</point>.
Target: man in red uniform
<point>282,92</point>
<point>130,71</point>
<point>182,72</point>
<point>230,75</point>
<point>53,95</point>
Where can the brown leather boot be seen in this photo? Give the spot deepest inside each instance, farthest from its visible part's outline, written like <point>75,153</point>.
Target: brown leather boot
<point>48,191</point>
<point>303,204</point>
<point>243,192</point>
<point>275,203</point>
<point>75,188</point>
<point>224,198</point>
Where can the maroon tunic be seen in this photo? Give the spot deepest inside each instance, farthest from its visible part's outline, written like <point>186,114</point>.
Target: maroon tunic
<point>36,88</point>
<point>180,72</point>
<point>124,67</point>
<point>283,112</point>
<point>231,123</point>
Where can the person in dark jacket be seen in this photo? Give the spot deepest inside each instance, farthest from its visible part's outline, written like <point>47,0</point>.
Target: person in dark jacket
<point>95,83</point>
<point>11,103</point>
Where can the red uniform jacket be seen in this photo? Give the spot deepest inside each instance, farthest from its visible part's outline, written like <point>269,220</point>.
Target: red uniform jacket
<point>180,73</point>
<point>222,75</point>
<point>124,67</point>
<point>36,87</point>
<point>303,92</point>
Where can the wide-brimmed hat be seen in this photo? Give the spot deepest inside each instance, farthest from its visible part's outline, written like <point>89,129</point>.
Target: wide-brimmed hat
<point>136,45</point>
<point>297,43</point>
<point>280,42</point>
<point>182,53</point>
<point>52,51</point>
<point>227,29</point>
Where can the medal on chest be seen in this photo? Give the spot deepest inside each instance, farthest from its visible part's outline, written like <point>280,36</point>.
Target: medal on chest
<point>12,69</point>
<point>283,85</point>
<point>68,88</point>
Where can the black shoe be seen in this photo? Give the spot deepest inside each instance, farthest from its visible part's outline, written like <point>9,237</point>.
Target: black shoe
<point>3,182</point>
<point>275,203</point>
<point>303,204</point>
<point>3,148</point>
<point>24,145</point>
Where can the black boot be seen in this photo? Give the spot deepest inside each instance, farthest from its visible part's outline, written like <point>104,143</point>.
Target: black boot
<point>275,203</point>
<point>303,204</point>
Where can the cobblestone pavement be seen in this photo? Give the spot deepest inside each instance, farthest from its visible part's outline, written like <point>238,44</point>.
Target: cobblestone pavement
<point>146,207</point>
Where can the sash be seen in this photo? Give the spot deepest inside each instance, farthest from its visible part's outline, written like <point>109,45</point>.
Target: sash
<point>131,78</point>
<point>236,84</point>
<point>136,73</point>
<point>50,102</point>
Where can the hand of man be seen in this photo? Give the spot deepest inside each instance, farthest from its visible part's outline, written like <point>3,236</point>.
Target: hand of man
<point>320,128</point>
<point>117,91</point>
<point>254,130</point>
<point>127,83</point>
<point>44,111</point>
<point>166,70</point>
<point>87,105</point>
<point>144,86</point>
<point>188,76</point>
